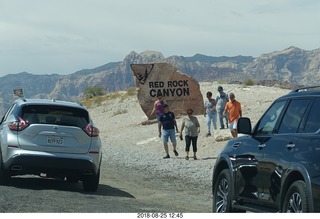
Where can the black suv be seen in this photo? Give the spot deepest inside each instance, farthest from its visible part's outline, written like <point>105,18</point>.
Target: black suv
<point>274,167</point>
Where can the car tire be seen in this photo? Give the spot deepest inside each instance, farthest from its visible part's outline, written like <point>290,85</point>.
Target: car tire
<point>91,183</point>
<point>296,199</point>
<point>222,193</point>
<point>4,175</point>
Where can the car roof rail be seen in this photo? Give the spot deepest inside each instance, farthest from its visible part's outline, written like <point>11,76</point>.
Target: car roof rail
<point>23,99</point>
<point>300,89</point>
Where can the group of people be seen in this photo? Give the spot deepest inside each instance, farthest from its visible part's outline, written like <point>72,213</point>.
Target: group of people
<point>224,106</point>
<point>216,106</point>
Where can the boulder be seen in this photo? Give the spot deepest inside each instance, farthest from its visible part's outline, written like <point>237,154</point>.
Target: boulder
<point>179,90</point>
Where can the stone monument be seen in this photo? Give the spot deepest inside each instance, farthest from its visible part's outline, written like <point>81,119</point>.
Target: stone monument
<point>179,90</point>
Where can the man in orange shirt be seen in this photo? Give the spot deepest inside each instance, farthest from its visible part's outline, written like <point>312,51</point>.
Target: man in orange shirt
<point>233,107</point>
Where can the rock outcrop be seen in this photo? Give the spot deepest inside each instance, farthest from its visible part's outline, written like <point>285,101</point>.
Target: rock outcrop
<point>179,90</point>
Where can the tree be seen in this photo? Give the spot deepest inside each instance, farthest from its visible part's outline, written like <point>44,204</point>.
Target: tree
<point>90,92</point>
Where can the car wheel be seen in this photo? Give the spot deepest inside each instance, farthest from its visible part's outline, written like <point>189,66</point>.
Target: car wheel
<point>91,183</point>
<point>222,193</point>
<point>4,175</point>
<point>296,200</point>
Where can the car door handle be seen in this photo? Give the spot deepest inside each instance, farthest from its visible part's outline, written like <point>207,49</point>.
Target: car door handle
<point>290,145</point>
<point>262,146</point>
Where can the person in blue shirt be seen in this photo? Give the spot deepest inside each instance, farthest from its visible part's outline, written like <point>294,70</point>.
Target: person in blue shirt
<point>168,124</point>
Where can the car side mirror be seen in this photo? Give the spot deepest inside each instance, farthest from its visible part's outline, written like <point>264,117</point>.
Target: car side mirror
<point>244,125</point>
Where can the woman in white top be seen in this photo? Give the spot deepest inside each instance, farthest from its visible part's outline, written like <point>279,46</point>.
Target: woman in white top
<point>192,129</point>
<point>210,113</point>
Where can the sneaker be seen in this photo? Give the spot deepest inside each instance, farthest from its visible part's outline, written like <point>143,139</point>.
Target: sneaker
<point>208,134</point>
<point>168,156</point>
<point>195,158</point>
<point>175,153</point>
<point>222,127</point>
<point>187,158</point>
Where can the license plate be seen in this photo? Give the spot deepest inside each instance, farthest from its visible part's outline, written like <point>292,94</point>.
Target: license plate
<point>54,140</point>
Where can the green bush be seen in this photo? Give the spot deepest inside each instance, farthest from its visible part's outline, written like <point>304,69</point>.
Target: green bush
<point>94,96</point>
<point>131,91</point>
<point>90,92</point>
<point>249,82</point>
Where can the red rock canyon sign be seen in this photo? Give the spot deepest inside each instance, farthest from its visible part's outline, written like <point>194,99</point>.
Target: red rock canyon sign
<point>179,90</point>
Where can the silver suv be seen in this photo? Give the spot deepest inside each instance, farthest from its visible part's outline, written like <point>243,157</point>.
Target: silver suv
<point>50,138</point>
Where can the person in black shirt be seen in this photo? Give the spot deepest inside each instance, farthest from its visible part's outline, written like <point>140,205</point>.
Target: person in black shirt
<point>168,124</point>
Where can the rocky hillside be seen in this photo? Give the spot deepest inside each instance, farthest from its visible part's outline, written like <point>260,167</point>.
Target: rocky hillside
<point>286,67</point>
<point>292,65</point>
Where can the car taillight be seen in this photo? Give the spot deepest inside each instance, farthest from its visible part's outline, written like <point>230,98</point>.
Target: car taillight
<point>18,125</point>
<point>91,131</point>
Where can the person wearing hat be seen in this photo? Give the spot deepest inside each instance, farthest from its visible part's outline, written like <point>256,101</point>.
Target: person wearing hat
<point>221,101</point>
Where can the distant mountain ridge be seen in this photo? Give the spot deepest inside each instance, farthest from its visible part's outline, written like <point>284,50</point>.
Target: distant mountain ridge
<point>292,65</point>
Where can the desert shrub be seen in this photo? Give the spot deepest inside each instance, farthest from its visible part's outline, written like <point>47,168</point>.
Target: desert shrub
<point>249,82</point>
<point>92,101</point>
<point>98,100</point>
<point>91,92</point>
<point>131,91</point>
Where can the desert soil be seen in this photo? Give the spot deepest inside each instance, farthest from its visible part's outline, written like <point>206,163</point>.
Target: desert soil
<point>133,153</point>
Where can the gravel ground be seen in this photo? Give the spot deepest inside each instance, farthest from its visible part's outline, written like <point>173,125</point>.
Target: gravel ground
<point>129,144</point>
<point>134,176</point>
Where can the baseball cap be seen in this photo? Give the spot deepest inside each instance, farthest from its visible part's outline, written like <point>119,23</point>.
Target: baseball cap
<point>220,88</point>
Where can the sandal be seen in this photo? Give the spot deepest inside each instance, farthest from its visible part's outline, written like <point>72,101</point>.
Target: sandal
<point>187,158</point>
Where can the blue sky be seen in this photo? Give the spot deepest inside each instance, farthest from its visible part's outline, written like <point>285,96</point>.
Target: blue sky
<point>64,36</point>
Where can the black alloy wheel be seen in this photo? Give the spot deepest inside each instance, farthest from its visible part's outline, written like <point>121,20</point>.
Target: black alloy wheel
<point>222,193</point>
<point>296,200</point>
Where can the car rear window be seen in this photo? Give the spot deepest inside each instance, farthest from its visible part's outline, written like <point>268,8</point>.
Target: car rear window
<point>60,115</point>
